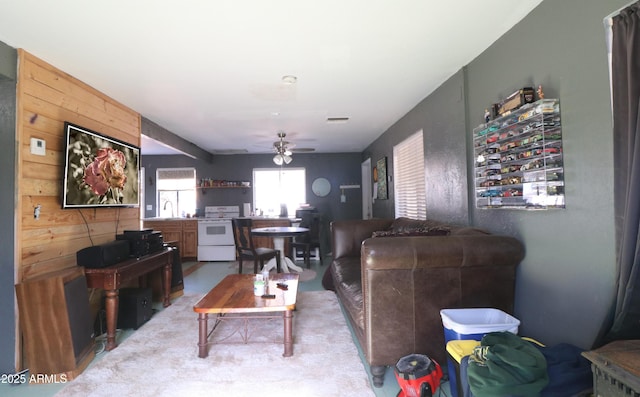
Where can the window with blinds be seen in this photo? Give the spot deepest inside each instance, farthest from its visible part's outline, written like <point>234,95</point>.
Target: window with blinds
<point>408,170</point>
<point>176,189</point>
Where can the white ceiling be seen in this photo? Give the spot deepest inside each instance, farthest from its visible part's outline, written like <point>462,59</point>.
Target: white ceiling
<point>211,71</point>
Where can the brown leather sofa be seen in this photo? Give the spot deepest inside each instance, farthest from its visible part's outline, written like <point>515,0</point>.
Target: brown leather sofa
<point>393,286</point>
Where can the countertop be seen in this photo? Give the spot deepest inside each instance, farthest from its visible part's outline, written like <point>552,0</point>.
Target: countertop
<point>195,219</point>
<point>169,219</point>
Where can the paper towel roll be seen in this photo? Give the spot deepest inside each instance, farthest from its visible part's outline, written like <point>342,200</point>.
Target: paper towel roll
<point>246,209</point>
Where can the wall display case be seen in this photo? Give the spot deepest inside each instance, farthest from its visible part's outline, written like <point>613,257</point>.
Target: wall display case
<point>518,159</point>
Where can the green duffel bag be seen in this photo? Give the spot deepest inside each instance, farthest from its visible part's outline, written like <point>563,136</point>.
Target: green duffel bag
<point>506,365</point>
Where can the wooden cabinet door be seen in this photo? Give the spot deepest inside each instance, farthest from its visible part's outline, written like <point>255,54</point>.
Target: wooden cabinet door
<point>189,244</point>
<point>173,235</point>
<point>171,231</point>
<point>189,239</point>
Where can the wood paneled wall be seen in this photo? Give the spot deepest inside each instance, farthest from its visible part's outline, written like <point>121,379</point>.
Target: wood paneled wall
<point>47,97</point>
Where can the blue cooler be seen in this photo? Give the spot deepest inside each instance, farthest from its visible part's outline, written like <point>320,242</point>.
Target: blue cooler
<point>472,324</point>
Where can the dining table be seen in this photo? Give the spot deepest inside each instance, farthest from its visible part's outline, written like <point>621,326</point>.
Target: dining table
<point>278,234</point>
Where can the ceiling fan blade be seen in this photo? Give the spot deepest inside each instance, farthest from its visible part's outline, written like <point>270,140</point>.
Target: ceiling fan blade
<point>285,147</point>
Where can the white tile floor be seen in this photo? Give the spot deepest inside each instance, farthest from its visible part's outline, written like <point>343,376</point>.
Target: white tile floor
<point>200,278</point>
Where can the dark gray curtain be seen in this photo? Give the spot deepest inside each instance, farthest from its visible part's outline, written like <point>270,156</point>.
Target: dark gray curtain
<point>626,121</point>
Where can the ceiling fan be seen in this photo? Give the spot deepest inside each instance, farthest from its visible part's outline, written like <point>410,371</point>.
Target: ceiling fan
<point>284,150</point>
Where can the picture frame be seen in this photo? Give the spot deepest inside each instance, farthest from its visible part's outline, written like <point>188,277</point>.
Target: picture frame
<point>381,168</point>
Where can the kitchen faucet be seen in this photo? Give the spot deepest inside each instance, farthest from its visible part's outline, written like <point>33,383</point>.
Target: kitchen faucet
<point>165,207</point>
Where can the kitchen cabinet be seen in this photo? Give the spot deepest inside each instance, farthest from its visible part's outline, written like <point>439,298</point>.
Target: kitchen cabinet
<point>190,238</point>
<point>183,231</point>
<point>518,159</point>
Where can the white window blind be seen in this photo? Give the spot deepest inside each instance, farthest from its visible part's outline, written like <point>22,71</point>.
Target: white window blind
<point>181,176</point>
<point>408,170</point>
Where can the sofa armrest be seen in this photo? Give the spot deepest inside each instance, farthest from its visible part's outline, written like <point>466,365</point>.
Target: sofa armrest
<point>347,236</point>
<point>406,281</point>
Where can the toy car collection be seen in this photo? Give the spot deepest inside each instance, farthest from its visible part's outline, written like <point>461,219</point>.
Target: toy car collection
<point>519,158</point>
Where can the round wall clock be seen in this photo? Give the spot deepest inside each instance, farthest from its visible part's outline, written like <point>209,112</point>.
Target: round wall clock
<point>321,187</point>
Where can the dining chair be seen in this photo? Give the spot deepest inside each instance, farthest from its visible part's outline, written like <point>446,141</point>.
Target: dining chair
<point>245,248</point>
<point>309,240</point>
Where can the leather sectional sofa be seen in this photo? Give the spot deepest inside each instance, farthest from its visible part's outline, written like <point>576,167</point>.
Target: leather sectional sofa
<point>392,286</point>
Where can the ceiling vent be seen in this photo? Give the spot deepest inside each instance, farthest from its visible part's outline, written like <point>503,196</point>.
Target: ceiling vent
<point>337,120</point>
<point>230,151</point>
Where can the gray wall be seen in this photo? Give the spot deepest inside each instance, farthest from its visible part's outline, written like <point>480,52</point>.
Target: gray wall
<point>8,62</point>
<point>565,284</point>
<point>338,168</point>
<point>441,118</point>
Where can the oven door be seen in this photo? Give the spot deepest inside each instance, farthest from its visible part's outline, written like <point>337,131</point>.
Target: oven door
<point>215,232</point>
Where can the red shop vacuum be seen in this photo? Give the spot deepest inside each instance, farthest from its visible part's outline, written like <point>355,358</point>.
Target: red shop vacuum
<point>418,376</point>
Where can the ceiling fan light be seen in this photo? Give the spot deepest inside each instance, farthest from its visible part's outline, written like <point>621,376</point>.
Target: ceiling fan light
<point>283,154</point>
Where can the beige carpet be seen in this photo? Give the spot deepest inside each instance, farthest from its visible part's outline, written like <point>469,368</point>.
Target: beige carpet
<point>160,358</point>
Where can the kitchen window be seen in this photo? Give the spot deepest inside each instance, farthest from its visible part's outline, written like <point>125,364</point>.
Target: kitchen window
<point>176,192</point>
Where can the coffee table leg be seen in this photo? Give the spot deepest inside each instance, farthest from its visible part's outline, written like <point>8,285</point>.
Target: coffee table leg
<point>288,334</point>
<point>202,335</point>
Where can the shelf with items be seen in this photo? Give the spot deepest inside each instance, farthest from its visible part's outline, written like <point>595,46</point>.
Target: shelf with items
<point>519,160</point>
<point>208,183</point>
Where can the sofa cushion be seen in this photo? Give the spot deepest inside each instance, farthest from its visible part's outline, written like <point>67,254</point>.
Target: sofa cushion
<point>347,279</point>
<point>327,280</point>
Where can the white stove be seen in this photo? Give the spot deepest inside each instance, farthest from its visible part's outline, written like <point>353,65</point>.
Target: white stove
<point>215,234</point>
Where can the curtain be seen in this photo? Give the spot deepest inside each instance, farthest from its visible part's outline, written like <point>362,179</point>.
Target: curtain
<point>626,135</point>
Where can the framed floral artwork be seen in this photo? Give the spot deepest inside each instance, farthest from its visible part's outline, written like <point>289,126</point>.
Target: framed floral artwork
<point>381,168</point>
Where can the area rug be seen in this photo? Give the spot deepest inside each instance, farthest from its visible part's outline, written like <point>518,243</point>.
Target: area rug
<point>307,275</point>
<point>161,358</point>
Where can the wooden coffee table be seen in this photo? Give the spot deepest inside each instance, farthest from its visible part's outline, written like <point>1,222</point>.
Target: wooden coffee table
<point>233,298</point>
